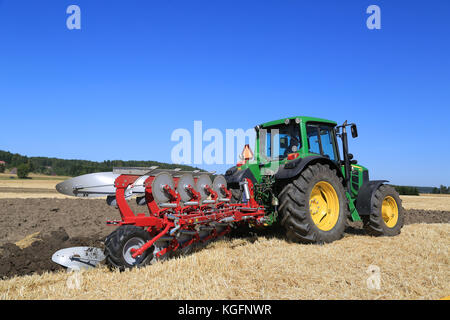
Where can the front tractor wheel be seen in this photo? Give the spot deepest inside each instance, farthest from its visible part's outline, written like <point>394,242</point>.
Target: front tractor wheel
<point>386,215</point>
<point>313,207</point>
<point>119,244</point>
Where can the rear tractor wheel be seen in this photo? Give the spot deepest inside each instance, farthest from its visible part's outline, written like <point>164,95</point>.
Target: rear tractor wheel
<point>313,208</point>
<point>386,215</point>
<point>118,246</point>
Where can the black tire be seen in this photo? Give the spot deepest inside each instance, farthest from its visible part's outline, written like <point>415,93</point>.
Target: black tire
<point>294,206</point>
<point>374,223</point>
<point>121,237</point>
<point>236,195</point>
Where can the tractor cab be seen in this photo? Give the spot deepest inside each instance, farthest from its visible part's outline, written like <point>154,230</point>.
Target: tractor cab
<point>299,137</point>
<point>293,139</point>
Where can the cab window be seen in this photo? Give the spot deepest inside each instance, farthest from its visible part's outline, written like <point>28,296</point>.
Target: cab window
<point>321,140</point>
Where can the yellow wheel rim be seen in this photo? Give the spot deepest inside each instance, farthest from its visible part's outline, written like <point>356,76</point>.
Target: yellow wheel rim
<point>324,206</point>
<point>389,211</point>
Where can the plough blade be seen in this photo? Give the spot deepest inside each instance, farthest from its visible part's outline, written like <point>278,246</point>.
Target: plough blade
<point>91,185</point>
<point>78,258</point>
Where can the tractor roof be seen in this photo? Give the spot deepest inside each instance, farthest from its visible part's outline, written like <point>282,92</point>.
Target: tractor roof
<point>302,118</point>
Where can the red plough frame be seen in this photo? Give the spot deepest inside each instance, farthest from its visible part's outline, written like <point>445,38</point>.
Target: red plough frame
<point>178,218</point>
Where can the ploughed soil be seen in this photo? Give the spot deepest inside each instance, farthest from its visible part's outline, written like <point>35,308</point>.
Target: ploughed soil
<point>63,223</point>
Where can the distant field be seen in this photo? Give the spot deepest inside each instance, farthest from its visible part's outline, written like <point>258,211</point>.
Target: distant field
<point>33,176</point>
<point>427,202</point>
<point>39,186</point>
<point>29,184</point>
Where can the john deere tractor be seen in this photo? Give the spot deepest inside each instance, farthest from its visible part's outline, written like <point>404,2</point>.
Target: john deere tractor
<point>309,187</point>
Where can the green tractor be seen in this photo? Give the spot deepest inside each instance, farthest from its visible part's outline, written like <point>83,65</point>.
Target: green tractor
<point>306,185</point>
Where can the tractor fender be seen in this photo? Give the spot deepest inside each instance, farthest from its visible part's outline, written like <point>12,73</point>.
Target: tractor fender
<point>365,196</point>
<point>293,168</point>
<point>234,175</point>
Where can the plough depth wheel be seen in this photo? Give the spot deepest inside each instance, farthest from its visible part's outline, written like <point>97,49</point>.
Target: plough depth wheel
<point>118,246</point>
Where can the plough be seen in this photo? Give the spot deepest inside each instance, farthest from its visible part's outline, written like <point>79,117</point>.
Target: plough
<point>184,209</point>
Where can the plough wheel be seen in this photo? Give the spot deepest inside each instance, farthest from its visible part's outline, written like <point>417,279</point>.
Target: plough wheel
<point>118,247</point>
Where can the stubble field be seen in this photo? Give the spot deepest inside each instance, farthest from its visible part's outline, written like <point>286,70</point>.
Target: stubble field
<point>33,225</point>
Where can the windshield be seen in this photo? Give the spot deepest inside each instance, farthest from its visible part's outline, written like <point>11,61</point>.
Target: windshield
<point>278,142</point>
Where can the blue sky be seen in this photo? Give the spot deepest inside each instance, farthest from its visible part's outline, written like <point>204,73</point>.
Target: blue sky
<point>138,70</point>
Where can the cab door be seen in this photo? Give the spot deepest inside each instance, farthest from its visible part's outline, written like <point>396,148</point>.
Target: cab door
<point>322,141</point>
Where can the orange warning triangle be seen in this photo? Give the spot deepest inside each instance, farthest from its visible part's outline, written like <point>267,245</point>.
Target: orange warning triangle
<point>247,154</point>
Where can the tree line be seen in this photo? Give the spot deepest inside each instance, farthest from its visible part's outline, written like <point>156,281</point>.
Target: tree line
<point>407,190</point>
<point>441,190</point>
<point>415,191</point>
<point>72,168</point>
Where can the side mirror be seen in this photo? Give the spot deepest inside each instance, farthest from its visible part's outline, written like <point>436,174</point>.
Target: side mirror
<point>354,131</point>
